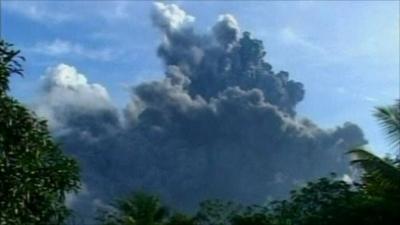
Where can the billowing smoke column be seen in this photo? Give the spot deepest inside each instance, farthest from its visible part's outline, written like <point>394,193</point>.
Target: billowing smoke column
<point>221,124</point>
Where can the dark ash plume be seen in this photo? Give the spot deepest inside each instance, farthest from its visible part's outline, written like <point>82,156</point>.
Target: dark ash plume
<point>221,124</point>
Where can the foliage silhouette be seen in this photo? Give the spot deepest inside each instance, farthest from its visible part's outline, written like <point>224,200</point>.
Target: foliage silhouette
<point>35,175</point>
<point>138,209</point>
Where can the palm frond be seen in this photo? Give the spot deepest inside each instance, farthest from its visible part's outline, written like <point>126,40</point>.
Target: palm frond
<point>389,118</point>
<point>384,174</point>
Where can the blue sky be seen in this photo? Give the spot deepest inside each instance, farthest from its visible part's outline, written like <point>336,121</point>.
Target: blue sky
<point>346,53</point>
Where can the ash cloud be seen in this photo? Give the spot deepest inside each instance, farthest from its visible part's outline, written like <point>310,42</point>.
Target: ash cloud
<point>221,124</point>
<point>72,105</point>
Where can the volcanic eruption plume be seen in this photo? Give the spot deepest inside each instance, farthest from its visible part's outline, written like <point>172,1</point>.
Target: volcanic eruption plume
<point>220,124</point>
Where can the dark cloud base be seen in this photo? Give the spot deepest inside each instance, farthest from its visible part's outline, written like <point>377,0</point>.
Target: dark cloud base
<point>221,124</point>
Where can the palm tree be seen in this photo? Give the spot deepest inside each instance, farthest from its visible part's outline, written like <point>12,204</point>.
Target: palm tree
<point>389,118</point>
<point>139,209</point>
<point>382,176</point>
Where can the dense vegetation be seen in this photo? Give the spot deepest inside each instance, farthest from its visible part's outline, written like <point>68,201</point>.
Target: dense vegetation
<point>34,173</point>
<point>35,176</point>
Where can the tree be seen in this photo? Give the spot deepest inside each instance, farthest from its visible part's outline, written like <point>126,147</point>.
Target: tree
<point>138,209</point>
<point>389,118</point>
<point>330,201</point>
<point>327,201</point>
<point>181,219</point>
<point>35,175</point>
<point>382,176</point>
<point>217,212</point>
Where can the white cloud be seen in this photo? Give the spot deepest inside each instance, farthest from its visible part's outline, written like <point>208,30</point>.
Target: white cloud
<point>370,99</point>
<point>37,11</point>
<point>68,78</point>
<point>227,29</point>
<point>229,20</point>
<point>51,12</point>
<point>118,11</point>
<point>60,47</point>
<point>291,37</point>
<point>170,17</point>
<point>65,88</point>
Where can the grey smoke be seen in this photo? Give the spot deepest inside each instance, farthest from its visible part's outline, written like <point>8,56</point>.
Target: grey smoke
<point>227,30</point>
<point>221,124</point>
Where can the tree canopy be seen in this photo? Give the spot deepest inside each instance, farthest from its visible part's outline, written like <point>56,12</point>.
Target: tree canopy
<point>35,175</point>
